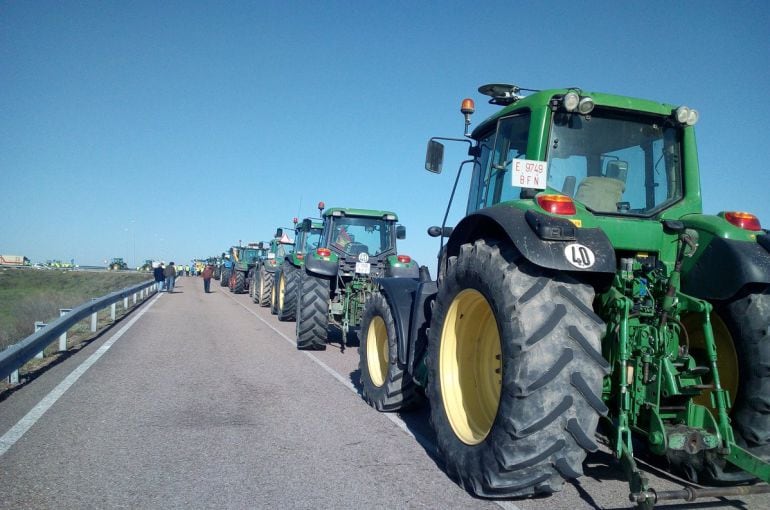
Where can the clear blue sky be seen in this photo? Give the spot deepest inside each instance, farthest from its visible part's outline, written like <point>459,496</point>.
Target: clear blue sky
<point>173,129</point>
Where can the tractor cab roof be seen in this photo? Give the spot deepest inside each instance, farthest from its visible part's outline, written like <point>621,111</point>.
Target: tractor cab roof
<point>361,213</point>
<point>512,102</point>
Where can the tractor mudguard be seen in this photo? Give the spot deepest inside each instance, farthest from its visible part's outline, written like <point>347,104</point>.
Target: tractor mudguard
<point>409,271</point>
<point>726,266</point>
<point>322,267</point>
<point>546,241</point>
<point>406,298</point>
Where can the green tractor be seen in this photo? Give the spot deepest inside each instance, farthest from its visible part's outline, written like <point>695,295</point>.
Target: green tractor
<point>117,264</point>
<point>243,260</point>
<point>584,284</point>
<point>274,253</point>
<point>307,236</point>
<point>146,267</point>
<point>357,246</point>
<point>216,263</point>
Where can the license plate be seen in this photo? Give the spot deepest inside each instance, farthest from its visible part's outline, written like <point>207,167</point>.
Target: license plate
<point>363,267</point>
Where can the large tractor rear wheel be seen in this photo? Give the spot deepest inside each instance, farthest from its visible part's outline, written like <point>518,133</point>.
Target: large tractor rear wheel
<point>265,286</point>
<point>515,373</point>
<point>286,293</point>
<point>312,312</point>
<point>386,385</point>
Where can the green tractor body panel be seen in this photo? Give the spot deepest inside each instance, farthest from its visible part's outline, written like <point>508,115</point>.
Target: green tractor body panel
<point>307,238</point>
<point>610,196</point>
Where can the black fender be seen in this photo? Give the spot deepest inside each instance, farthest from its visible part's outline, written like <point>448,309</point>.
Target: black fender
<point>408,300</point>
<point>411,271</point>
<point>322,267</point>
<point>543,240</point>
<point>726,266</point>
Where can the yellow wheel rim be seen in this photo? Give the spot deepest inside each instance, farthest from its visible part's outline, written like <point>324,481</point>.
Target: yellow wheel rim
<point>727,358</point>
<point>281,291</point>
<point>470,366</point>
<point>377,351</point>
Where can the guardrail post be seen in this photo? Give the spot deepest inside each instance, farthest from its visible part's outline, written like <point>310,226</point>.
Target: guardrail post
<point>125,303</point>
<point>134,297</point>
<point>94,318</point>
<point>112,312</point>
<point>14,377</point>
<point>63,336</point>
<point>38,326</point>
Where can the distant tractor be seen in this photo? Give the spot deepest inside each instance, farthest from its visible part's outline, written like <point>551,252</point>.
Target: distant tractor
<point>116,264</point>
<point>356,246</point>
<point>243,261</point>
<point>146,267</point>
<point>276,250</point>
<point>307,237</point>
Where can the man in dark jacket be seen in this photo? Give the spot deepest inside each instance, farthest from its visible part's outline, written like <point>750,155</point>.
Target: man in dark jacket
<point>170,273</point>
<point>208,272</point>
<point>157,272</point>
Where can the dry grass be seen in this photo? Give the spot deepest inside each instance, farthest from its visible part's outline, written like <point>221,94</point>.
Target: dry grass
<point>30,295</point>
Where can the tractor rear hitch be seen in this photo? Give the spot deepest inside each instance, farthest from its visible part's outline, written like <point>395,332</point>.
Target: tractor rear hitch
<point>643,499</point>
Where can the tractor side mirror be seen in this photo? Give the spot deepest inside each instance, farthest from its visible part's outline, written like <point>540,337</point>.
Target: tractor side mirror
<point>307,224</point>
<point>439,232</point>
<point>278,232</point>
<point>400,232</point>
<point>434,158</point>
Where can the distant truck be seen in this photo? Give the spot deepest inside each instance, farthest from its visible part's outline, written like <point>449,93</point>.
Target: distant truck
<point>14,260</point>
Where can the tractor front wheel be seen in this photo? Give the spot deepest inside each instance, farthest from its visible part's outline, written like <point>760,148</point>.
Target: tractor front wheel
<point>312,312</point>
<point>274,293</point>
<point>239,282</point>
<point>515,373</point>
<point>286,293</point>
<point>386,385</point>
<point>225,279</point>
<point>265,287</point>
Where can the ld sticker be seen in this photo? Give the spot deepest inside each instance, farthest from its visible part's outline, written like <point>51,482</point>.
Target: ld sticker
<point>579,256</point>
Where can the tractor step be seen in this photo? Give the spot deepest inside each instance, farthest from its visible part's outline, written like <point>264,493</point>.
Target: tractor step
<point>696,372</point>
<point>699,387</point>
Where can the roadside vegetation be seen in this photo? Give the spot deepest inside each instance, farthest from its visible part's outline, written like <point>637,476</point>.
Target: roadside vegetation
<point>28,295</point>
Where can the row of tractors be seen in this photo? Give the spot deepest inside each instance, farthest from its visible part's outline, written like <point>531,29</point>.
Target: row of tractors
<point>325,274</point>
<point>584,289</point>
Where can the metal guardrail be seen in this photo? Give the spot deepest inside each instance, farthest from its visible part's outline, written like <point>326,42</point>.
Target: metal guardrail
<point>15,356</point>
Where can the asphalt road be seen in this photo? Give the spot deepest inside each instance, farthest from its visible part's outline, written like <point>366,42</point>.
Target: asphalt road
<point>203,401</point>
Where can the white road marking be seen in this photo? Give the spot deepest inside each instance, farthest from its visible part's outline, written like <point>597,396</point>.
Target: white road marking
<point>424,442</point>
<point>17,431</point>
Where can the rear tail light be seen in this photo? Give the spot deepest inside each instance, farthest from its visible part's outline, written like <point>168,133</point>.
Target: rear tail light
<point>300,256</point>
<point>404,259</point>
<point>324,252</point>
<point>556,204</point>
<point>744,220</point>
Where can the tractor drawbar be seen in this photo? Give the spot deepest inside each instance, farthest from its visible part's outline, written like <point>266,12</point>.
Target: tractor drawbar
<point>692,493</point>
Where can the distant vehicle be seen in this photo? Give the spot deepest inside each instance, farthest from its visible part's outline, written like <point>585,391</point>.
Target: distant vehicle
<point>14,260</point>
<point>146,267</point>
<point>58,264</point>
<point>117,264</point>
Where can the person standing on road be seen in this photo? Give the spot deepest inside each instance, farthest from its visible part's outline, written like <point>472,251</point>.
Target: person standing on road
<point>208,272</point>
<point>157,272</point>
<point>170,274</point>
